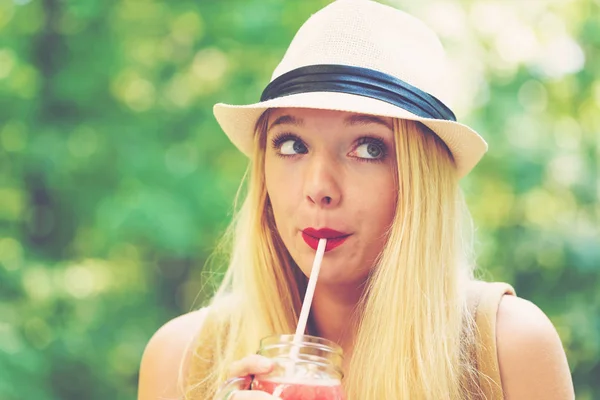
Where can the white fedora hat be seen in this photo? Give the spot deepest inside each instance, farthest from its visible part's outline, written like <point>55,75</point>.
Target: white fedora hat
<point>364,57</point>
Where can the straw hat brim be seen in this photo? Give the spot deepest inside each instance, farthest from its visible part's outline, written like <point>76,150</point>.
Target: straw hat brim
<point>239,121</point>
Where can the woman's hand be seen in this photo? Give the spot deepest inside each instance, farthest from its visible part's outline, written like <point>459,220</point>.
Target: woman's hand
<point>251,365</point>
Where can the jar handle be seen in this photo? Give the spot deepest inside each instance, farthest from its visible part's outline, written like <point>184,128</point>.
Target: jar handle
<point>231,385</point>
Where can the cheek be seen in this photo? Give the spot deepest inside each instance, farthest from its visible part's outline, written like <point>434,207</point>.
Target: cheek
<point>387,195</point>
<point>379,206</point>
<point>388,206</point>
<point>281,187</point>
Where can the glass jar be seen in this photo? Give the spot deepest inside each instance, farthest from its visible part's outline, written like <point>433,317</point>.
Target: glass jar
<point>310,369</point>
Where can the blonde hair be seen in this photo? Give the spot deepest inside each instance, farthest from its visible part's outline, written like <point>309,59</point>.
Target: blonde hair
<point>418,286</point>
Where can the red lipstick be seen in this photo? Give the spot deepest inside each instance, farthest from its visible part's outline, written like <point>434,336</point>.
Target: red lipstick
<point>334,238</point>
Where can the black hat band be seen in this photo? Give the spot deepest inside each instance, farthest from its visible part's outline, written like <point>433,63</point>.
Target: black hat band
<point>359,81</point>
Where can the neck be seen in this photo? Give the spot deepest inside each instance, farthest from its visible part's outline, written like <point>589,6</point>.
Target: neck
<point>334,314</point>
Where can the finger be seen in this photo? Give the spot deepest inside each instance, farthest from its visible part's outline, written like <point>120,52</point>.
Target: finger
<point>251,365</point>
<point>251,395</point>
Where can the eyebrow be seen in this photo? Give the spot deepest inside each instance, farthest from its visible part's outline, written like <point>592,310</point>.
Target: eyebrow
<point>287,120</point>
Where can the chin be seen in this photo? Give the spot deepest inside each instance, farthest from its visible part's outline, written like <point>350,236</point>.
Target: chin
<point>331,274</point>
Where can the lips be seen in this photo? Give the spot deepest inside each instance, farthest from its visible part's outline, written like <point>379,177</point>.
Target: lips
<point>334,238</point>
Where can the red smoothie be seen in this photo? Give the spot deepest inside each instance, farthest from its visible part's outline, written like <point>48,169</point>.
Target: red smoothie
<point>298,390</point>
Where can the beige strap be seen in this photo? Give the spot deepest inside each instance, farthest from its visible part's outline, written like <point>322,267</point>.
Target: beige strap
<point>489,298</point>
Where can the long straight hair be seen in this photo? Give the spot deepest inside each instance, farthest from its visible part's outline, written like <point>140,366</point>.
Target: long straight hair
<point>415,332</point>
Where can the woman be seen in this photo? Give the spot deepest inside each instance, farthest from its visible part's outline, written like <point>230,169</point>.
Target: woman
<point>352,134</point>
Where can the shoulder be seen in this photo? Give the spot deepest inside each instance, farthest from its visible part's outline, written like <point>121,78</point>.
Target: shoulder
<point>533,364</point>
<point>167,355</point>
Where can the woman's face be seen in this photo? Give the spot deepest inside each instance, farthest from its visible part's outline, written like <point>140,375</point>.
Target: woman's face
<point>336,170</point>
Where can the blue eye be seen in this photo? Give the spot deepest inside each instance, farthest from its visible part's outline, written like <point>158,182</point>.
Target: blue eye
<point>370,149</point>
<point>292,147</point>
<point>288,144</point>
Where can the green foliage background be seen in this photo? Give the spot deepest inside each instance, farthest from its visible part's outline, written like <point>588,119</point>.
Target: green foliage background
<point>115,180</point>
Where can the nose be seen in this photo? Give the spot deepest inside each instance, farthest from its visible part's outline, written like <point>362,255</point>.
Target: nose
<point>321,183</point>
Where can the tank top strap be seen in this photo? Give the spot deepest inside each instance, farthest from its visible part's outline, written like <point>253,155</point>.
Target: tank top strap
<point>484,299</point>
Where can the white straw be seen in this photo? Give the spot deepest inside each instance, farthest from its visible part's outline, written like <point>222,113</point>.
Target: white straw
<point>308,297</point>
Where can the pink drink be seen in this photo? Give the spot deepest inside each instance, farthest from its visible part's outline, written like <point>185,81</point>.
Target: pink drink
<point>308,368</point>
<point>329,389</point>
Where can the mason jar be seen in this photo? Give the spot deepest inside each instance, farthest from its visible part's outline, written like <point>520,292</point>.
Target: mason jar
<point>310,369</point>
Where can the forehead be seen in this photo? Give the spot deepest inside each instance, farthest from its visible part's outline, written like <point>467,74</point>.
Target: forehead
<point>300,117</point>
